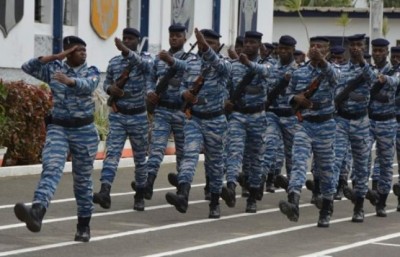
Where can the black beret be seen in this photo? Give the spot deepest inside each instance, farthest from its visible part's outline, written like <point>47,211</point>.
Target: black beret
<point>298,52</point>
<point>337,49</point>
<point>269,46</point>
<point>70,40</point>
<point>356,37</point>
<point>210,33</point>
<point>177,28</point>
<point>131,31</point>
<point>319,39</point>
<point>253,34</point>
<point>287,40</point>
<point>380,42</point>
<point>239,40</point>
<point>395,49</point>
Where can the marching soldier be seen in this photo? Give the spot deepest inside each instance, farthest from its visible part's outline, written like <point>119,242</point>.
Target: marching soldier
<point>70,130</point>
<point>128,118</point>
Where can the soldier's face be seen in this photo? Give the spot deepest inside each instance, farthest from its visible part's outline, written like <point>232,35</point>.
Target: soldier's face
<point>337,58</point>
<point>130,41</point>
<point>78,57</point>
<point>213,43</point>
<point>356,47</point>
<point>379,53</point>
<point>177,39</point>
<point>395,58</point>
<point>285,52</point>
<point>251,46</point>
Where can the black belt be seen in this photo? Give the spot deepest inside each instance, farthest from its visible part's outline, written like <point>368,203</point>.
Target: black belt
<point>207,115</point>
<point>73,123</point>
<point>132,111</point>
<point>382,117</point>
<point>352,115</point>
<point>169,105</point>
<point>283,112</point>
<point>318,118</point>
<point>249,109</point>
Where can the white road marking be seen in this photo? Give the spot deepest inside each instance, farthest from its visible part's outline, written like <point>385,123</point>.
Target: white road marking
<point>385,244</point>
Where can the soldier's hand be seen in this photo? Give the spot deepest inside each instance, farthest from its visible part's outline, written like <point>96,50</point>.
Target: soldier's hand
<point>114,90</point>
<point>382,78</point>
<point>315,55</point>
<point>232,53</point>
<point>228,106</point>
<point>357,55</point>
<point>302,101</point>
<point>189,97</point>
<point>263,51</point>
<point>64,79</point>
<point>153,98</point>
<point>165,56</point>
<point>201,41</point>
<point>121,46</point>
<point>287,76</point>
<point>61,56</point>
<point>244,59</point>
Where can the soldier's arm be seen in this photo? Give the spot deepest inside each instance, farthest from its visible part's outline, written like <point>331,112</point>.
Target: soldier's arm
<point>88,84</point>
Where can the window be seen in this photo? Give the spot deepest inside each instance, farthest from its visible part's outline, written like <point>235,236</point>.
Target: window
<point>43,11</point>
<point>70,12</point>
<point>133,14</point>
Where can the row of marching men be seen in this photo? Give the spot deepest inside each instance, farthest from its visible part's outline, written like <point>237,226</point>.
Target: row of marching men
<point>240,110</point>
<point>237,110</point>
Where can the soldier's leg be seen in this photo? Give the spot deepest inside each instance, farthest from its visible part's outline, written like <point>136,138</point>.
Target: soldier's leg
<point>272,150</point>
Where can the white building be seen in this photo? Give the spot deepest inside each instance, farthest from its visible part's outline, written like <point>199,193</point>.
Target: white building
<point>32,34</point>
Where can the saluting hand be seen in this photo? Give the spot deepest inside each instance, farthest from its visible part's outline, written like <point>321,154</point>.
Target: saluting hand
<point>121,46</point>
<point>232,53</point>
<point>165,56</point>
<point>61,56</point>
<point>201,41</point>
<point>244,59</point>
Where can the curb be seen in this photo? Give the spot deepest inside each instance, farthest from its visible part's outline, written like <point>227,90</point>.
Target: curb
<point>98,164</point>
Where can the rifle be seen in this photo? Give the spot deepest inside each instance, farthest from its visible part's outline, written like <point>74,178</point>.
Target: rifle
<point>376,88</point>
<point>351,86</point>
<point>162,85</point>
<point>279,89</point>
<point>198,85</point>
<point>246,80</point>
<point>120,83</point>
<point>308,93</point>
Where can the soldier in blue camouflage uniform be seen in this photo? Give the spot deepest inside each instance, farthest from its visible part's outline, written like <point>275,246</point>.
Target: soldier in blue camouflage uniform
<point>168,116</point>
<point>395,61</point>
<point>282,123</point>
<point>70,130</point>
<point>311,91</point>
<point>128,118</point>
<point>353,123</point>
<point>383,125</point>
<point>247,123</point>
<point>207,125</point>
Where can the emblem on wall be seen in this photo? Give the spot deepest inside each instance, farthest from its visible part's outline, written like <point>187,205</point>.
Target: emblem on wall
<point>182,13</point>
<point>11,12</point>
<point>104,17</point>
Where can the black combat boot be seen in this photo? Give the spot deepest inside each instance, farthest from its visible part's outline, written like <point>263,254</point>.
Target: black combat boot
<point>358,212</point>
<point>281,181</point>
<point>83,230</point>
<point>138,203</point>
<point>260,193</point>
<point>380,205</point>
<point>372,196</point>
<point>291,207</point>
<point>375,185</point>
<point>173,179</point>
<point>207,193</point>
<point>251,206</point>
<point>349,194</point>
<point>339,190</point>
<point>31,216</point>
<point>396,191</point>
<point>325,213</point>
<point>181,199</point>
<point>316,197</point>
<point>269,183</point>
<point>229,194</point>
<point>215,211</point>
<point>148,192</point>
<point>103,196</point>
<point>243,182</point>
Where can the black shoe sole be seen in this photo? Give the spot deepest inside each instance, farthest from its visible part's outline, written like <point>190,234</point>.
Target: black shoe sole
<point>172,199</point>
<point>286,208</point>
<point>226,197</point>
<point>282,182</point>
<point>22,213</point>
<point>98,200</point>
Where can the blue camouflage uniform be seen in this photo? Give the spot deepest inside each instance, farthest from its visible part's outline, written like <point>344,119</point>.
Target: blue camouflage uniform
<point>168,116</point>
<point>208,125</point>
<point>130,121</point>
<point>71,131</point>
<point>383,125</point>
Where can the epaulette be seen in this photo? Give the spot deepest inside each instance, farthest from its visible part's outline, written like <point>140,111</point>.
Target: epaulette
<point>94,69</point>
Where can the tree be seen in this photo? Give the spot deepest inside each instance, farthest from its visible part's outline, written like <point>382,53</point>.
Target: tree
<point>320,3</point>
<point>344,22</point>
<point>295,6</point>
